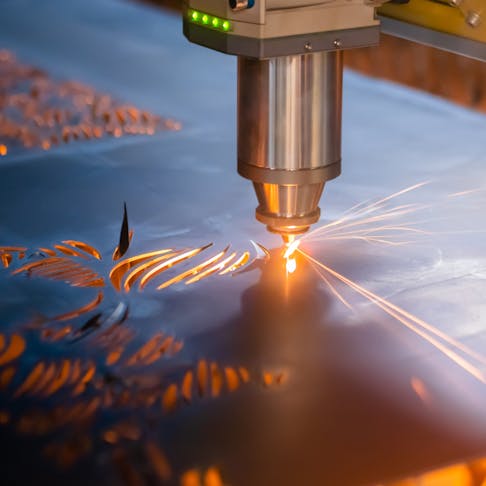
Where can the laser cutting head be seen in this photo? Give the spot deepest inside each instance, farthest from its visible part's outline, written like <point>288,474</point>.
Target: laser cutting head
<point>289,135</point>
<point>289,94</point>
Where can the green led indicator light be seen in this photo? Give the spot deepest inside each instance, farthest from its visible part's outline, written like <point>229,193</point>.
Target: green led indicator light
<point>209,21</point>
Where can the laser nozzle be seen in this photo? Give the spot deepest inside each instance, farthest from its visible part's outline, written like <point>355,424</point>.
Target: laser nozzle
<point>288,210</point>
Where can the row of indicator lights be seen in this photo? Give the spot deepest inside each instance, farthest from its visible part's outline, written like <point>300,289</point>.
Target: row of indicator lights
<point>209,20</point>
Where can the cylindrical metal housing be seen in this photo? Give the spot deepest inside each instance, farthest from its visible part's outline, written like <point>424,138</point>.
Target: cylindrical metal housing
<point>289,134</point>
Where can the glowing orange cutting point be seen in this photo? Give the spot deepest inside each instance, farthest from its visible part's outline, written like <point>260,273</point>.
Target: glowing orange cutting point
<point>291,248</point>
<point>291,265</point>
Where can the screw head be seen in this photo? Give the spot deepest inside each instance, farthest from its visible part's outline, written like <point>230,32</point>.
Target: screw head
<point>337,43</point>
<point>473,18</point>
<point>308,46</point>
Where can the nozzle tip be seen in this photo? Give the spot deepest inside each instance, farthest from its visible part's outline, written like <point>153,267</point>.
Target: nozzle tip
<point>288,238</point>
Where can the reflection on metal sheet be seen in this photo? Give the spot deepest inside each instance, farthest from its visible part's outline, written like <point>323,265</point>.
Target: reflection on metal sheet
<point>359,344</point>
<point>40,112</point>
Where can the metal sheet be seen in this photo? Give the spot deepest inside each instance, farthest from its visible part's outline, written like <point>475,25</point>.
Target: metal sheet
<point>327,395</point>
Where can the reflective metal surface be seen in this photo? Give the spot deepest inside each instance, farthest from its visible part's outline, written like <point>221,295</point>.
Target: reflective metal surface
<point>289,111</point>
<point>288,209</point>
<point>258,379</point>
<point>289,134</point>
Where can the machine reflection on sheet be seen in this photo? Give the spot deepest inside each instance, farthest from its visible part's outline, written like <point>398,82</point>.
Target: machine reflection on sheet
<point>37,111</point>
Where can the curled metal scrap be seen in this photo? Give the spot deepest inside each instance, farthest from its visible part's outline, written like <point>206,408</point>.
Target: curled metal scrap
<point>38,111</point>
<point>126,377</point>
<point>125,236</point>
<point>65,263</point>
<point>70,261</point>
<point>84,390</point>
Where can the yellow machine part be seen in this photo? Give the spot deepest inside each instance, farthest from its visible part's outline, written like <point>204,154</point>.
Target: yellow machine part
<point>440,16</point>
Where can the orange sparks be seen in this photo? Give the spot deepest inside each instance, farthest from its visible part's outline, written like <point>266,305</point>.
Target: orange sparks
<point>332,288</point>
<point>291,249</point>
<point>370,216</point>
<point>418,326</point>
<point>465,193</point>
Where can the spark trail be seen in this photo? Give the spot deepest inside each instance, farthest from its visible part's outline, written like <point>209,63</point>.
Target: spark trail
<point>376,222</point>
<point>447,345</point>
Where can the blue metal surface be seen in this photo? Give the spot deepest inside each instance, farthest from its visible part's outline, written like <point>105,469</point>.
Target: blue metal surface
<point>347,412</point>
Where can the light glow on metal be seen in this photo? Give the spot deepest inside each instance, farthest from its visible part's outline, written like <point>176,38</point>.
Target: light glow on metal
<point>291,262</point>
<point>454,350</point>
<point>291,265</point>
<point>291,249</point>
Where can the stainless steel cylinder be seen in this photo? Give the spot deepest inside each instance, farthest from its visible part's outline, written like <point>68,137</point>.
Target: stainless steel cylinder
<point>289,134</point>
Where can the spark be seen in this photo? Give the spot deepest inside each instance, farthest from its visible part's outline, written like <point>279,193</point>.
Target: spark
<point>368,221</point>
<point>372,221</point>
<point>370,227</point>
<point>331,287</point>
<point>341,224</point>
<point>415,324</point>
<point>393,196</point>
<point>291,248</point>
<point>291,263</point>
<point>371,239</point>
<point>465,193</point>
